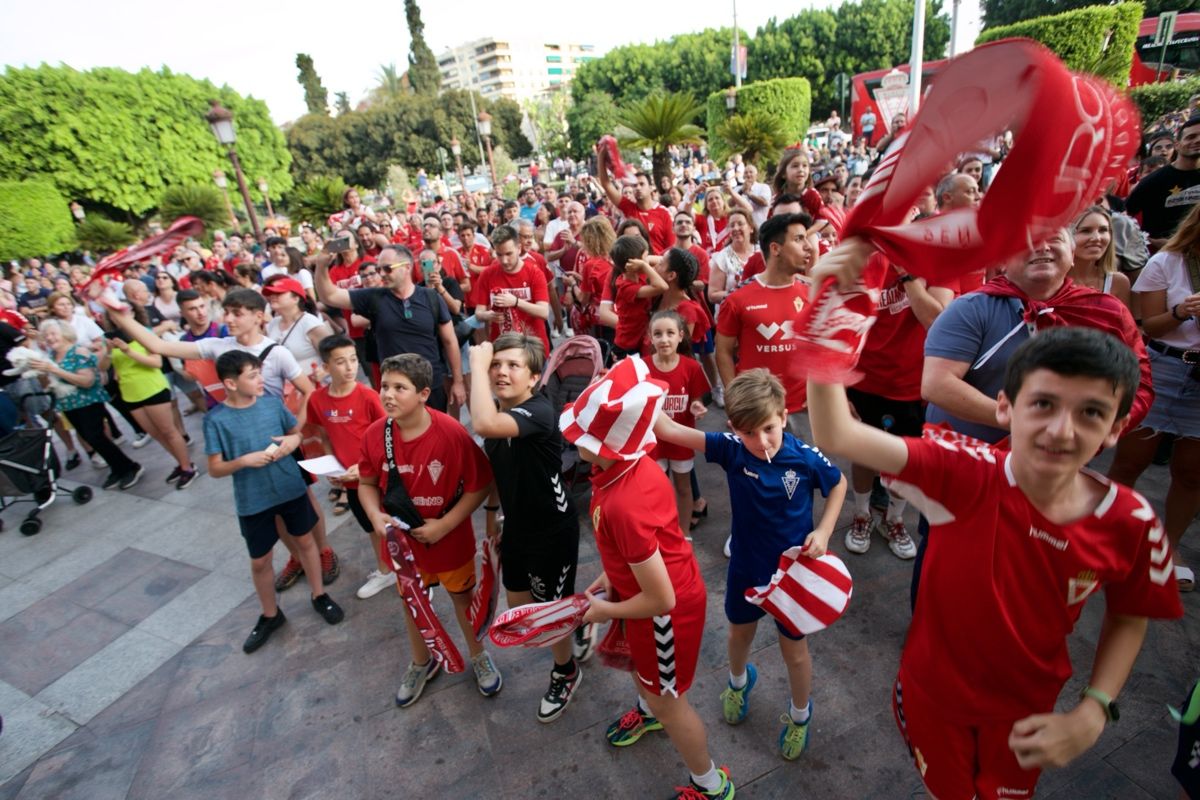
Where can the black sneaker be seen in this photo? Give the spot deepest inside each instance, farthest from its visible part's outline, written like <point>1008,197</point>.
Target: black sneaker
<point>73,461</point>
<point>174,474</point>
<point>558,696</point>
<point>112,481</point>
<point>583,643</point>
<point>263,630</point>
<point>130,479</point>
<point>186,477</point>
<point>330,611</point>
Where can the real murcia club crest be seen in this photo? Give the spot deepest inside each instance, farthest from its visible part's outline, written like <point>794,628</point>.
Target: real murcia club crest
<point>1080,587</point>
<point>435,470</point>
<point>790,482</point>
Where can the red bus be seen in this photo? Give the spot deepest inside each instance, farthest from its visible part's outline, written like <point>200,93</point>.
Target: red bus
<point>870,89</point>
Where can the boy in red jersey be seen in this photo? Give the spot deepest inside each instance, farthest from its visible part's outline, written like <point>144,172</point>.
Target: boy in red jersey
<point>651,581</point>
<point>1029,535</point>
<point>447,477</point>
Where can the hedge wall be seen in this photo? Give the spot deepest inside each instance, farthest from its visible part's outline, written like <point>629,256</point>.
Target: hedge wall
<point>1156,99</point>
<point>789,99</point>
<point>1078,38</point>
<point>34,220</point>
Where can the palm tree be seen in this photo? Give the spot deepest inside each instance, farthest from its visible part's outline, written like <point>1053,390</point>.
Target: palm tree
<point>757,135</point>
<point>194,200</point>
<point>658,121</point>
<point>390,85</point>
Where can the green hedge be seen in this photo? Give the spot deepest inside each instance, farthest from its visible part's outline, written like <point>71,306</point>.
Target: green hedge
<point>35,220</point>
<point>788,99</point>
<point>1077,37</point>
<point>1156,99</point>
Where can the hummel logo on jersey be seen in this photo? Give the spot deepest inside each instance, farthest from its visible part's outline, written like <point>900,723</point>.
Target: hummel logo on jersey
<point>1038,533</point>
<point>790,482</point>
<point>1078,588</point>
<point>560,495</point>
<point>435,470</point>
<point>1162,566</point>
<point>522,411</point>
<point>749,474</point>
<point>759,307</point>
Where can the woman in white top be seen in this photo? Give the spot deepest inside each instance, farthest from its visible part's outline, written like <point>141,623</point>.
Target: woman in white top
<point>165,289</point>
<point>292,325</point>
<point>1168,294</point>
<point>727,264</point>
<point>1095,257</point>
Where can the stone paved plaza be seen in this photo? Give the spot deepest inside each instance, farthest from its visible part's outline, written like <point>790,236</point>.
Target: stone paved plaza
<point>122,675</point>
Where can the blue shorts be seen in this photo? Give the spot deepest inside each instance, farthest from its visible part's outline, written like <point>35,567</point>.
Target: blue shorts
<point>258,529</point>
<point>706,346</point>
<point>740,611</point>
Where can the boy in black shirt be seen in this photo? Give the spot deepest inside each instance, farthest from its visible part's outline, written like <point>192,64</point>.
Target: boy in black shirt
<point>540,547</point>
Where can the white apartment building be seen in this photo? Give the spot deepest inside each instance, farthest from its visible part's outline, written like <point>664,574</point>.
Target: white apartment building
<point>518,69</point>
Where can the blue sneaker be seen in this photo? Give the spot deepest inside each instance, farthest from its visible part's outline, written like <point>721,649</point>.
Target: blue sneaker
<point>736,702</point>
<point>793,739</point>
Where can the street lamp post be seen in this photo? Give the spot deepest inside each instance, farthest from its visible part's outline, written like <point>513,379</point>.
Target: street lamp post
<point>441,154</point>
<point>730,99</point>
<point>456,149</point>
<point>485,130</point>
<point>223,184</point>
<point>220,119</point>
<point>265,188</point>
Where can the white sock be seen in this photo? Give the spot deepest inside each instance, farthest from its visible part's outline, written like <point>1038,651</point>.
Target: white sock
<point>862,504</point>
<point>895,509</point>
<point>709,781</point>
<point>738,681</point>
<point>800,715</point>
<point>645,709</point>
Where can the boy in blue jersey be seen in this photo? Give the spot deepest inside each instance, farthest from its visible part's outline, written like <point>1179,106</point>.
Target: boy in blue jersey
<point>771,475</point>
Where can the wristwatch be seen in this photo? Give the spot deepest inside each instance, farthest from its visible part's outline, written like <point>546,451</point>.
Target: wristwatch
<point>1107,703</point>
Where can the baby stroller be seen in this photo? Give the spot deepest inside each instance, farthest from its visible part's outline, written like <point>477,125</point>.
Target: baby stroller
<point>29,466</point>
<point>572,367</point>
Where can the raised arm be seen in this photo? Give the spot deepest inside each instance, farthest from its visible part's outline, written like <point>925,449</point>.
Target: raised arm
<point>327,291</point>
<point>611,190</point>
<point>837,432</point>
<point>149,340</point>
<point>942,384</point>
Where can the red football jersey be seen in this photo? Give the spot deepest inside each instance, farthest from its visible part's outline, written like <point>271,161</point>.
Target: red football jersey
<point>572,258</point>
<point>434,467</point>
<point>478,258</point>
<point>633,312</point>
<point>527,283</point>
<point>712,232</point>
<point>1002,586</point>
<point>685,383</point>
<point>894,353</point>
<point>539,261</point>
<point>657,220</point>
<point>633,515</point>
<point>345,420</point>
<point>761,317</point>
<point>702,260</point>
<point>754,265</point>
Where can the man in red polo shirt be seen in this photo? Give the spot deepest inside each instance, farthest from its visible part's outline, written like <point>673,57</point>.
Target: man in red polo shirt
<point>643,207</point>
<point>756,319</point>
<point>511,294</point>
<point>431,239</point>
<point>476,257</point>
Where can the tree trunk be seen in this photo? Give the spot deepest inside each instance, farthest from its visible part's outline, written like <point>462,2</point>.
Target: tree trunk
<point>661,161</point>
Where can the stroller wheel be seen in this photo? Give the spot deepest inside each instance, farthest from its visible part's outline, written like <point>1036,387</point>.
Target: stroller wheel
<point>31,527</point>
<point>82,494</point>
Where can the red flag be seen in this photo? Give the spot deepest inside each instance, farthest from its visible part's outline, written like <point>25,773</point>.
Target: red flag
<point>540,624</point>
<point>417,600</point>
<point>486,597</point>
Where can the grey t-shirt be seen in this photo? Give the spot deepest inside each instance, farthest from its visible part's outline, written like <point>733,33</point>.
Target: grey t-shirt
<point>972,329</point>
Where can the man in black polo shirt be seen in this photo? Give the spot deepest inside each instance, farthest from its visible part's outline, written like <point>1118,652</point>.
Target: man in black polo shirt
<point>405,318</point>
<point>1165,196</point>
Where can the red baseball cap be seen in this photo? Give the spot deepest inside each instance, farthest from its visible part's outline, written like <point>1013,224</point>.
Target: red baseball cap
<point>285,285</point>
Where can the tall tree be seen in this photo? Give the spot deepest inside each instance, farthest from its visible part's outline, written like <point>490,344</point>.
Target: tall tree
<point>423,73</point>
<point>390,84</point>
<point>342,103</point>
<point>1006,12</point>
<point>316,97</point>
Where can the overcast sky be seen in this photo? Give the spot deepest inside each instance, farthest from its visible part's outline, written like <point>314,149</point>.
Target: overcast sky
<point>252,45</point>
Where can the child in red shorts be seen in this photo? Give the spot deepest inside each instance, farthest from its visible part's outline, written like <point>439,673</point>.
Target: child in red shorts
<point>1028,536</point>
<point>447,477</point>
<point>651,581</point>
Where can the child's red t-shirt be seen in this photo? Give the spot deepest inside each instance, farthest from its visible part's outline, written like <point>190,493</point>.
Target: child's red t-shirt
<point>1002,586</point>
<point>437,465</point>
<point>685,383</point>
<point>345,421</point>
<point>633,312</point>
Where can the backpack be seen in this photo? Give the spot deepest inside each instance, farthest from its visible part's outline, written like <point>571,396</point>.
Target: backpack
<point>573,366</point>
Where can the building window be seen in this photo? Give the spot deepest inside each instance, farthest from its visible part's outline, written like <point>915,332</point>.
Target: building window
<point>553,59</point>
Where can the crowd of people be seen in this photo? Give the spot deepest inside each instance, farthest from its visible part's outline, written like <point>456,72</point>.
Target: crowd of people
<point>408,343</point>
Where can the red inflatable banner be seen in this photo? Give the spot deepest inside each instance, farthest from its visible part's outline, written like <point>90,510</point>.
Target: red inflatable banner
<point>418,602</point>
<point>486,597</point>
<point>540,624</point>
<point>1074,134</point>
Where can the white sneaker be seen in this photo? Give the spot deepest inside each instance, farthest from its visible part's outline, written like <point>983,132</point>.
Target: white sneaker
<point>98,461</point>
<point>487,677</point>
<point>141,440</point>
<point>728,539</point>
<point>376,582</point>
<point>858,538</point>
<point>898,539</point>
<point>567,332</point>
<point>718,394</point>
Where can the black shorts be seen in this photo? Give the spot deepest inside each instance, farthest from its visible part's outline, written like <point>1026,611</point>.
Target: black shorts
<point>309,478</point>
<point>153,400</point>
<point>299,518</point>
<point>356,508</point>
<point>543,565</point>
<point>901,417</point>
